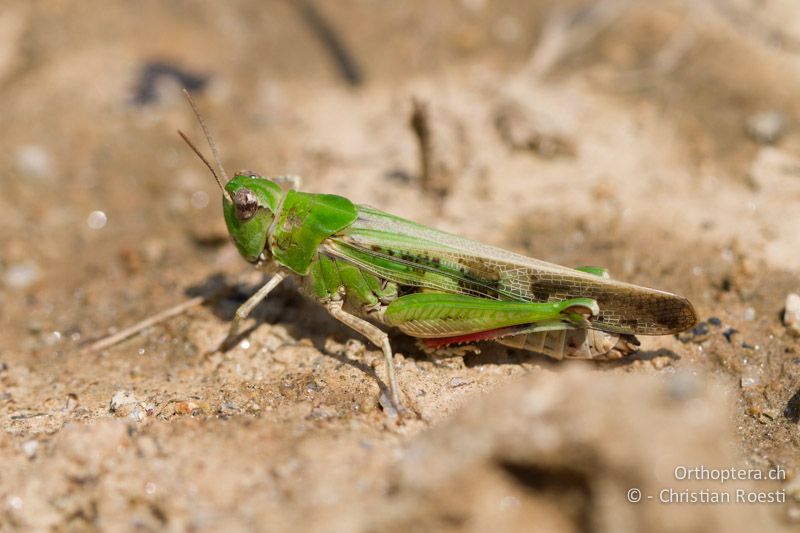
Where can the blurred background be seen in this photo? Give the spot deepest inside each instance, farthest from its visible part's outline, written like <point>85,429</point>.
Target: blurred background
<point>658,139</point>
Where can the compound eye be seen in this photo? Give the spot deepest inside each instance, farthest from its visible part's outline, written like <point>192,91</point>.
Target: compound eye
<point>245,204</point>
<point>248,174</point>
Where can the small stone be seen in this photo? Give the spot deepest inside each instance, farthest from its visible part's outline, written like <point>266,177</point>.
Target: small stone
<point>365,404</point>
<point>661,362</point>
<point>768,415</point>
<point>767,127</point>
<point>97,220</point>
<point>123,403</point>
<point>15,502</point>
<point>21,275</point>
<point>321,413</point>
<point>697,334</point>
<point>53,338</point>
<point>459,382</point>
<point>186,408</point>
<point>228,409</point>
<point>749,314</point>
<point>750,381</point>
<point>72,402</point>
<point>33,160</point>
<point>791,314</point>
<point>729,333</point>
<point>30,447</point>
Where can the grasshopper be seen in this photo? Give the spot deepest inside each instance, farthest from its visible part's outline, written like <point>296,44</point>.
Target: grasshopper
<point>369,267</point>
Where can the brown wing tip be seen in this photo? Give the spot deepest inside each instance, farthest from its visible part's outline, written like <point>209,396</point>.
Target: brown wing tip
<point>682,317</point>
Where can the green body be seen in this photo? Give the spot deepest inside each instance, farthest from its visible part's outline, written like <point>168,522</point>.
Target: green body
<point>432,284</point>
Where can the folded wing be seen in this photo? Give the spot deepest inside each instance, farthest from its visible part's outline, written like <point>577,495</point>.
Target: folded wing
<point>414,255</point>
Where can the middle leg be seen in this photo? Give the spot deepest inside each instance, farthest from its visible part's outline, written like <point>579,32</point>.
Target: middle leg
<point>377,337</point>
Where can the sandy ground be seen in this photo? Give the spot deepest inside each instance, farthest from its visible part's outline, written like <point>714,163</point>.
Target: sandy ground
<point>661,142</point>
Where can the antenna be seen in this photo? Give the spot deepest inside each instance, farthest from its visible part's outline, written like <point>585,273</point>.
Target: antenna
<point>204,160</point>
<point>222,175</point>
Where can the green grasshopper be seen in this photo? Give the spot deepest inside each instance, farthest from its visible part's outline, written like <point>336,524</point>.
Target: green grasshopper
<point>369,267</point>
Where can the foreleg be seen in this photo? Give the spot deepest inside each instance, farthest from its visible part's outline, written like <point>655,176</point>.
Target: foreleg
<point>246,308</point>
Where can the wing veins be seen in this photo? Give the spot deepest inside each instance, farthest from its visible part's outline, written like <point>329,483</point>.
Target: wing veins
<point>489,289</point>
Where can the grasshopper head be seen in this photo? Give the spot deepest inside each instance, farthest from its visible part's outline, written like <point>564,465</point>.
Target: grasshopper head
<point>249,201</point>
<point>249,207</point>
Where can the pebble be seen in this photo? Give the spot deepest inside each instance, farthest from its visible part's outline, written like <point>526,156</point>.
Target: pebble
<point>52,338</point>
<point>750,380</point>
<point>121,401</point>
<point>791,314</point>
<point>229,409</point>
<point>321,413</point>
<point>459,382</point>
<point>72,402</point>
<point>767,127</point>
<point>33,160</point>
<point>697,334</point>
<point>30,447</point>
<point>97,220</point>
<point>21,275</point>
<point>15,502</point>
